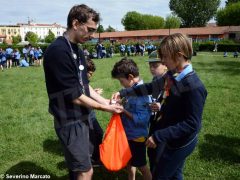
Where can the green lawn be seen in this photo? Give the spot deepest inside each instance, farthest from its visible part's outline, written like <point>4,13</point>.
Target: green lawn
<point>28,144</point>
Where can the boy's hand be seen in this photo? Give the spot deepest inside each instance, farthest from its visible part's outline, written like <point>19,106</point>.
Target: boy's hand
<point>155,106</point>
<point>117,108</point>
<point>120,102</point>
<point>112,101</point>
<point>98,90</point>
<point>150,143</point>
<point>113,108</point>
<point>116,97</point>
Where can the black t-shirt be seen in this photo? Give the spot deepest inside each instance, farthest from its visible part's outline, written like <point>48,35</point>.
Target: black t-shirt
<point>62,76</point>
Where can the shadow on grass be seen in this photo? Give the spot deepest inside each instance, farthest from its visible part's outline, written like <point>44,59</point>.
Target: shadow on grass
<point>100,173</point>
<point>62,165</point>
<point>53,146</point>
<point>218,147</point>
<point>103,174</point>
<point>30,168</point>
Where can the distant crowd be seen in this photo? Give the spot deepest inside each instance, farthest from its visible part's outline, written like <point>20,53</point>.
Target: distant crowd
<point>130,50</point>
<point>235,54</point>
<point>32,56</point>
<point>29,56</point>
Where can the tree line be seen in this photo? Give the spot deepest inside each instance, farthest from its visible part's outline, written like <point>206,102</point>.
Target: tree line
<point>186,13</point>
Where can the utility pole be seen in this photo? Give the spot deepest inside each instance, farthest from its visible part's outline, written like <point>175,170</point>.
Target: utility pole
<point>28,20</point>
<point>99,32</point>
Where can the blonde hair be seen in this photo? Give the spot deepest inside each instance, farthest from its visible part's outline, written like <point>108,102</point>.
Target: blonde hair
<point>174,44</point>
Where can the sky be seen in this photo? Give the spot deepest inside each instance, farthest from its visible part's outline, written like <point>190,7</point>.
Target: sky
<point>51,11</point>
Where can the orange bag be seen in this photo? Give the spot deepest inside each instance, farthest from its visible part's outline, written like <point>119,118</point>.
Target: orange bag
<point>114,150</point>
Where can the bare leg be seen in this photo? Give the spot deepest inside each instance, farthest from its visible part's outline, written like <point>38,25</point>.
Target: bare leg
<point>8,64</point>
<point>145,172</point>
<point>10,61</point>
<point>131,172</point>
<point>85,175</point>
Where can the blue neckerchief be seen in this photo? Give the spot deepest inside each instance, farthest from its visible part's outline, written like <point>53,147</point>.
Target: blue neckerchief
<point>185,71</point>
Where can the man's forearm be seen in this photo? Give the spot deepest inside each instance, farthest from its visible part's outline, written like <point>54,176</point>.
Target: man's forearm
<point>83,100</point>
<point>97,97</point>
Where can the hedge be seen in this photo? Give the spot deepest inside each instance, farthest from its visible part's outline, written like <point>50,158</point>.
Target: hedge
<point>222,47</point>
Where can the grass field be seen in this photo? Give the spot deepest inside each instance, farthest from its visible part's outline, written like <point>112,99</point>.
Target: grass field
<point>28,144</point>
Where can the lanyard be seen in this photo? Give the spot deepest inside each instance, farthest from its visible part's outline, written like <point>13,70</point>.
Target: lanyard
<point>165,93</point>
<point>75,58</point>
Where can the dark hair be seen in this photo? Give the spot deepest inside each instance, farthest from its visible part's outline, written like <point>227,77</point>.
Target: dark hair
<point>82,13</point>
<point>90,65</point>
<point>124,67</point>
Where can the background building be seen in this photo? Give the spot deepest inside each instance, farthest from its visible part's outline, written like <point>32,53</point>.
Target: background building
<point>2,37</point>
<point>42,30</point>
<point>7,31</point>
<point>212,33</point>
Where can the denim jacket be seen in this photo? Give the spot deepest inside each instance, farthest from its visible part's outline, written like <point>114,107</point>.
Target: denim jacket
<point>141,112</point>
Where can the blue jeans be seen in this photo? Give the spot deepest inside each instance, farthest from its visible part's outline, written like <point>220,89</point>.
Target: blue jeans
<point>171,162</point>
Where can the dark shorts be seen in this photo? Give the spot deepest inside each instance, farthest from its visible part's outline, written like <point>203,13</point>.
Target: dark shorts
<point>2,63</point>
<point>9,57</point>
<point>74,138</point>
<point>15,60</point>
<point>138,150</point>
